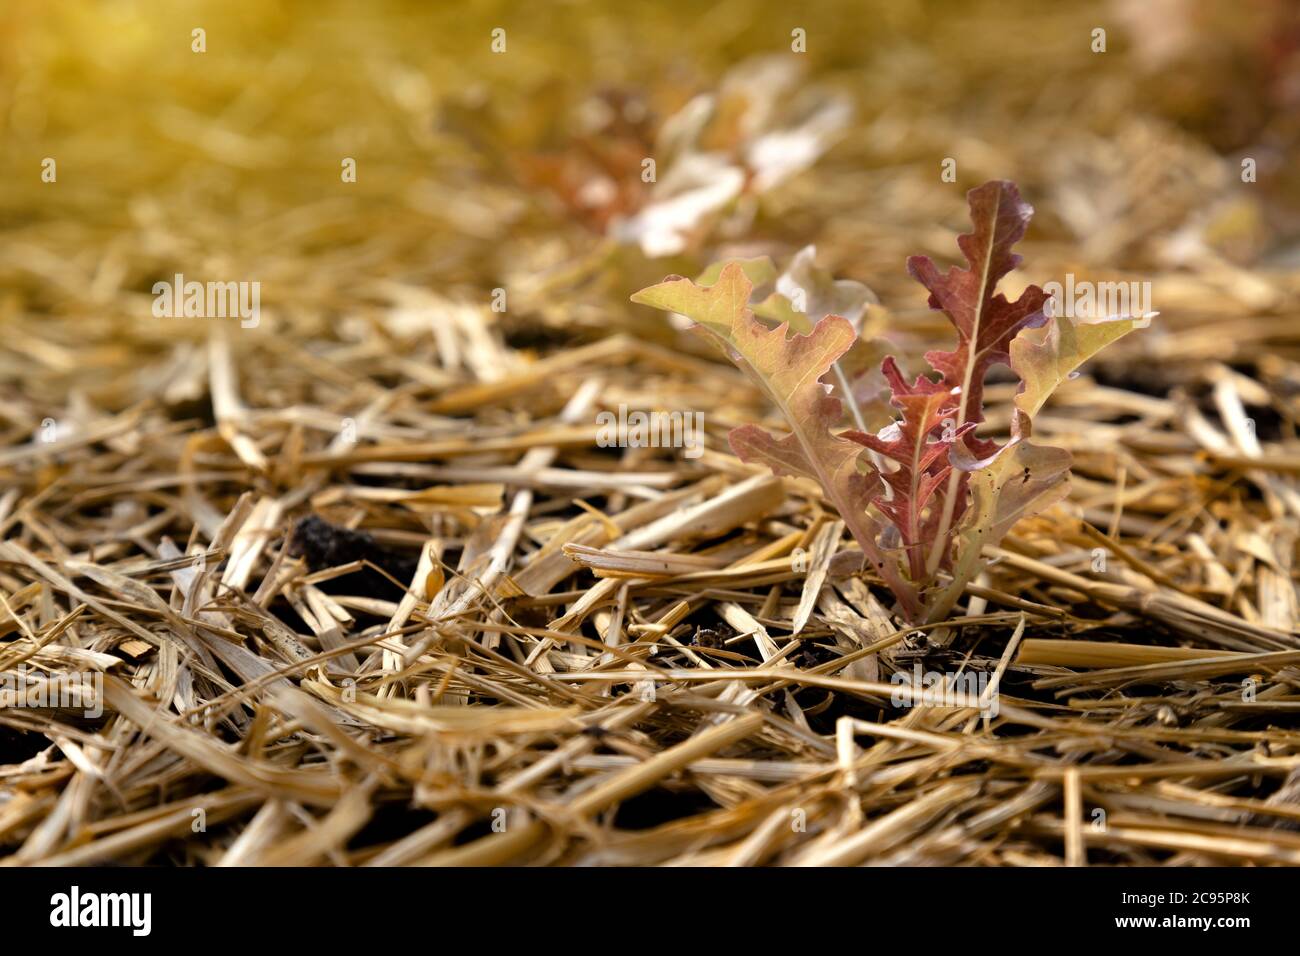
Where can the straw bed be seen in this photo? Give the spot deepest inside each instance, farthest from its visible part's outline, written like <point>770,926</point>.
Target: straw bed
<point>359,586</point>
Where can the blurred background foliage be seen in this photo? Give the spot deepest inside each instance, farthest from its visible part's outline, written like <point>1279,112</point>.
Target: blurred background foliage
<point>472,165</point>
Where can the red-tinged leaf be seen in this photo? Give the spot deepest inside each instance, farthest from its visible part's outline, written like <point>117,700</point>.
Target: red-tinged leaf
<point>788,369</point>
<point>1022,479</point>
<point>919,442</point>
<point>986,322</point>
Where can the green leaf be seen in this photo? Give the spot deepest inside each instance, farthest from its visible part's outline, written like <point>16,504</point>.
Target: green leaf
<point>1019,481</point>
<point>805,293</point>
<point>788,369</point>
<point>1045,356</point>
<point>760,270</point>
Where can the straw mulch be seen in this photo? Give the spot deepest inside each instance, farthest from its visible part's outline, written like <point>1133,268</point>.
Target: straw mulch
<point>363,590</point>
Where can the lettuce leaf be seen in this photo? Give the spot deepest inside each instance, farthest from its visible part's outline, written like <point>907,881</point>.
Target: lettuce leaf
<point>788,369</point>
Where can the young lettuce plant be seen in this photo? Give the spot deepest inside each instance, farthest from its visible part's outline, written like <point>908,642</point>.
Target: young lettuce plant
<point>924,495</point>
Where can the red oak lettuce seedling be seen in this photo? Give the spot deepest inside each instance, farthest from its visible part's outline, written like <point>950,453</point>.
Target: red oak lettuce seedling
<point>924,522</point>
